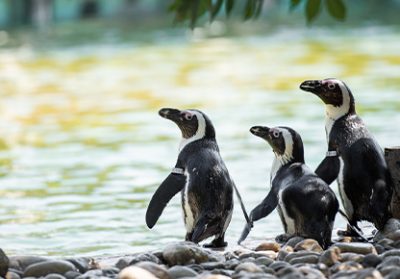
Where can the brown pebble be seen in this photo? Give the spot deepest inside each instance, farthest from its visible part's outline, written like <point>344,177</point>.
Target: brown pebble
<point>356,247</point>
<point>308,245</point>
<point>268,245</point>
<point>134,272</point>
<point>330,257</point>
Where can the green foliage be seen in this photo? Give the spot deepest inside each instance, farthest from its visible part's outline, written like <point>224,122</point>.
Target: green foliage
<point>192,10</point>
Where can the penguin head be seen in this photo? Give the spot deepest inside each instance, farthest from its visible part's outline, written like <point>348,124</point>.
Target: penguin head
<point>334,93</point>
<point>286,143</point>
<point>193,124</point>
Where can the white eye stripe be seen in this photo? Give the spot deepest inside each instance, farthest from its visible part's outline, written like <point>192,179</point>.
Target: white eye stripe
<point>201,129</point>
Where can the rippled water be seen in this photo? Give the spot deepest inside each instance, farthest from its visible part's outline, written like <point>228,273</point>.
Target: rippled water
<point>82,148</point>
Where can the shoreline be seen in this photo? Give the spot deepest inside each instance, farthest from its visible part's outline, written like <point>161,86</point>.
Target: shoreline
<point>297,258</point>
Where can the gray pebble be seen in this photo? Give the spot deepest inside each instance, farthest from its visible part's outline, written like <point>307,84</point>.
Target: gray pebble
<point>4,263</point>
<point>299,254</point>
<point>248,267</point>
<point>379,249</point>
<point>395,274</point>
<point>386,270</point>
<point>54,276</point>
<point>264,261</point>
<point>22,262</point>
<point>346,266</point>
<point>247,275</point>
<point>289,272</point>
<point>311,273</point>
<point>123,262</point>
<point>224,272</point>
<point>83,264</point>
<point>277,265</point>
<point>309,259</point>
<point>179,271</point>
<point>351,257</point>
<point>356,247</point>
<point>394,252</point>
<point>110,271</point>
<point>330,256</point>
<point>157,270</point>
<point>212,265</point>
<point>145,257</point>
<point>196,267</point>
<point>44,268</point>
<point>282,255</point>
<point>232,264</point>
<point>294,241</point>
<point>71,274</point>
<point>369,273</point>
<point>91,274</point>
<point>371,260</point>
<point>187,252</point>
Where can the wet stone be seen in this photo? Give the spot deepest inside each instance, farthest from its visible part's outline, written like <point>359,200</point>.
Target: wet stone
<point>110,271</point>
<point>379,249</point>
<point>310,273</point>
<point>268,245</point>
<point>292,242</point>
<point>155,269</point>
<point>371,260</point>
<point>330,256</point>
<point>146,257</point>
<point>248,267</point>
<point>264,261</point>
<point>182,253</point>
<point>358,248</point>
<point>288,271</point>
<point>308,245</point>
<point>71,274</point>
<point>232,264</point>
<point>44,268</point>
<point>389,261</point>
<point>179,271</point>
<point>213,276</point>
<point>83,264</point>
<point>135,272</point>
<point>310,259</point>
<point>22,262</point>
<point>54,276</point>
<point>391,226</point>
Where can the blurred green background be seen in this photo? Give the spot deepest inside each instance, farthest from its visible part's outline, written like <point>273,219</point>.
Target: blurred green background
<point>82,147</point>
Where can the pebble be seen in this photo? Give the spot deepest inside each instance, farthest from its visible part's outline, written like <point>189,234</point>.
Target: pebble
<point>213,276</point>
<point>292,242</point>
<point>47,267</point>
<point>351,257</point>
<point>157,270</point>
<point>371,260</point>
<point>356,247</point>
<point>180,271</point>
<point>308,245</point>
<point>309,259</point>
<point>182,253</point>
<point>12,275</point>
<point>71,274</point>
<point>22,262</point>
<point>4,263</point>
<point>330,256</point>
<point>264,261</point>
<point>268,245</point>
<point>135,272</point>
<point>248,267</point>
<point>83,264</point>
<point>54,276</point>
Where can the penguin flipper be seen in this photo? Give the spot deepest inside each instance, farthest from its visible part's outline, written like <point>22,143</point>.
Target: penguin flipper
<point>173,184</point>
<point>328,169</point>
<point>260,211</point>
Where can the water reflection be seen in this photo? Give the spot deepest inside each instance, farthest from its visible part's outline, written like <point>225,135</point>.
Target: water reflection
<point>83,149</point>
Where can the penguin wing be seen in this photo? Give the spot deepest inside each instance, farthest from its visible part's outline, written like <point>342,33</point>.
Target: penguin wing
<point>173,184</point>
<point>260,211</point>
<point>328,169</point>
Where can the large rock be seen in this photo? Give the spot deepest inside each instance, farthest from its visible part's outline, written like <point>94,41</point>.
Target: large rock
<point>183,253</point>
<point>4,263</point>
<point>135,272</point>
<point>391,226</point>
<point>22,262</point>
<point>44,268</point>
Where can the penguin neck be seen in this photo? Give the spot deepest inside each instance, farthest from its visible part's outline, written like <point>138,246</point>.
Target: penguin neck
<point>332,114</point>
<point>279,162</point>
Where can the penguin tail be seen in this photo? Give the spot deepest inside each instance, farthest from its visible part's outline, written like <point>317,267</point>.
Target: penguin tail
<point>380,203</point>
<point>204,228</point>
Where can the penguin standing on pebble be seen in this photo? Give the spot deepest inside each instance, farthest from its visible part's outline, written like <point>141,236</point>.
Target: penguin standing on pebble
<point>201,177</point>
<point>354,158</point>
<point>306,204</point>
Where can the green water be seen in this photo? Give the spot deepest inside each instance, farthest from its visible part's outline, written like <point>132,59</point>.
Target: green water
<point>82,147</point>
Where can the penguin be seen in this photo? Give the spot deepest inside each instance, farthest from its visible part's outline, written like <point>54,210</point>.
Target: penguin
<point>306,205</point>
<point>202,178</point>
<point>354,158</point>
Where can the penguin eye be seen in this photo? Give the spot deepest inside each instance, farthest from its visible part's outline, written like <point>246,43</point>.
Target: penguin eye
<point>275,134</point>
<point>188,116</point>
<point>331,86</point>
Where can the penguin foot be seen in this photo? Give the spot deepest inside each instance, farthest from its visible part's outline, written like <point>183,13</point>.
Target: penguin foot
<point>216,243</point>
<point>349,232</point>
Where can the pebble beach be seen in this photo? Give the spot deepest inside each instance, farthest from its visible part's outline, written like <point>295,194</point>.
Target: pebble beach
<point>297,258</point>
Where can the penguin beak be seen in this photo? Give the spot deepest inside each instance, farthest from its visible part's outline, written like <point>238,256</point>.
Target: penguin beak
<point>313,86</point>
<point>260,131</point>
<point>170,113</point>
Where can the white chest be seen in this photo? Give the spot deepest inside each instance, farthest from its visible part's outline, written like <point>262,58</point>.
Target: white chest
<point>187,209</point>
<point>348,206</point>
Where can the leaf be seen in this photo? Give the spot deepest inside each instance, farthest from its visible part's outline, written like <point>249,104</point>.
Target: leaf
<point>294,4</point>
<point>229,6</point>
<point>336,9</point>
<point>215,9</point>
<point>313,7</point>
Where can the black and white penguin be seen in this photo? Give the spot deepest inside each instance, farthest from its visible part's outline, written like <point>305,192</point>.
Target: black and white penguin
<point>201,176</point>
<point>354,158</point>
<point>306,204</point>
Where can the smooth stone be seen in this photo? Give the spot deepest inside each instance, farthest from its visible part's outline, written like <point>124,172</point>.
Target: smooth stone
<point>247,275</point>
<point>330,256</point>
<point>212,265</point>
<point>155,269</point>
<point>4,263</point>
<point>12,275</point>
<point>346,266</point>
<point>268,253</point>
<point>135,272</point>
<point>146,257</point>
<point>393,275</point>
<point>351,257</point>
<point>389,261</point>
<point>286,250</point>
<point>298,254</point>
<point>356,247</point>
<point>394,235</point>
<point>182,253</point>
<point>389,270</point>
<point>391,226</point>
<point>288,271</point>
<point>308,245</point>
<point>123,262</point>
<point>396,244</point>
<point>213,276</point>
<point>71,274</point>
<point>371,260</point>
<point>229,256</point>
<point>224,272</point>
<point>180,271</point>
<point>110,272</point>
<point>83,264</point>
<point>95,273</point>
<point>44,268</point>
<point>264,261</point>
<point>310,259</point>
<point>54,276</point>
<point>394,252</point>
<point>311,273</point>
<point>196,267</point>
<point>22,262</point>
<point>268,245</point>
<point>248,267</point>
<point>232,264</point>
<point>292,242</point>
<point>277,265</point>
<point>369,273</point>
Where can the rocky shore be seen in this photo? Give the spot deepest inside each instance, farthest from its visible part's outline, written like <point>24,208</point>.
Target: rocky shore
<point>297,258</point>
